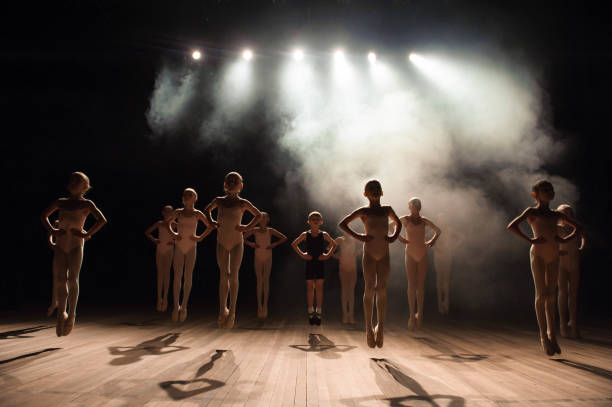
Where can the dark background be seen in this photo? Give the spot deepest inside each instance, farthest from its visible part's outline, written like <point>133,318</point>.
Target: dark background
<point>76,86</point>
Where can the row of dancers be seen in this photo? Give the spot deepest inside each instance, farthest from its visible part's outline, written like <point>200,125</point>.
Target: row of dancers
<point>554,255</point>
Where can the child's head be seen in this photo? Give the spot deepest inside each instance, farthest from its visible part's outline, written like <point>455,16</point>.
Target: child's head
<point>414,205</point>
<point>265,219</point>
<point>78,183</point>
<point>190,196</point>
<point>233,182</point>
<point>315,219</point>
<point>543,191</point>
<point>373,189</point>
<point>566,210</point>
<point>167,211</point>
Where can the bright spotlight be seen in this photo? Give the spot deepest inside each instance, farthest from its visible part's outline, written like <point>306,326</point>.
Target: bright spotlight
<point>298,54</point>
<point>339,55</point>
<point>414,57</point>
<point>247,54</point>
<point>372,57</point>
<point>196,55</point>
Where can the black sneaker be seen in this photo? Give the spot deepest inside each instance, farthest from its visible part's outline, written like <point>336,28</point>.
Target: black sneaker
<point>311,318</point>
<point>317,318</point>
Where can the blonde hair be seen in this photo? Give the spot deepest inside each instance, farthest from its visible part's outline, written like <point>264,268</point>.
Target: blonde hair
<point>232,179</point>
<point>415,202</point>
<point>315,213</point>
<point>566,209</point>
<point>191,190</point>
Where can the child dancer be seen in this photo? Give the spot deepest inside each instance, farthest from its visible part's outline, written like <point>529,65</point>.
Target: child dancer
<point>544,255</point>
<point>230,247</point>
<point>416,258</point>
<point>69,241</point>
<point>185,252</point>
<point>569,274</point>
<point>163,255</point>
<point>263,259</point>
<point>315,256</point>
<point>347,271</point>
<point>375,256</point>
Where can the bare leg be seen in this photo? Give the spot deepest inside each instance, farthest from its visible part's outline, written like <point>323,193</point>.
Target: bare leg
<point>552,272</point>
<point>224,272</point>
<point>420,288</point>
<point>267,269</point>
<point>382,276</point>
<point>443,270</point>
<point>166,265</point>
<point>160,278</point>
<point>369,277</point>
<point>411,273</point>
<point>562,299</point>
<point>179,262</point>
<point>190,259</point>
<point>259,267</point>
<point>310,287</point>
<point>348,279</point>
<point>234,265</point>
<point>60,283</point>
<point>574,280</point>
<point>75,259</point>
<point>319,292</point>
<point>53,305</point>
<point>538,269</point>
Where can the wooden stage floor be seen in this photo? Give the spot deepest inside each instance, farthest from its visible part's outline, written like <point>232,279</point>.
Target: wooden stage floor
<point>142,359</point>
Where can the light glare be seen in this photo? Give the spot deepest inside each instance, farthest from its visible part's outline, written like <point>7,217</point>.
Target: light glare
<point>339,55</point>
<point>372,57</point>
<point>196,55</point>
<point>247,54</point>
<point>298,54</point>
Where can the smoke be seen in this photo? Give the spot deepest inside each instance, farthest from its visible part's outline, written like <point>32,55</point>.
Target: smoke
<point>468,134</point>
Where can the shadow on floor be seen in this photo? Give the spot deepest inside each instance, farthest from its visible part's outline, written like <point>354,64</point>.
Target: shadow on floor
<point>324,346</point>
<point>22,333</point>
<point>148,322</point>
<point>386,370</point>
<point>27,355</point>
<point>155,347</point>
<point>173,387</point>
<point>599,371</point>
<point>447,354</point>
<point>259,325</point>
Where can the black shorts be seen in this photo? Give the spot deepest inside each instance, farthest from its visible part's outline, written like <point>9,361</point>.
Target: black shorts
<point>314,270</point>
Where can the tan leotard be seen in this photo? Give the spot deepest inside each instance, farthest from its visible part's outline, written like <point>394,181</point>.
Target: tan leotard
<point>263,240</point>
<point>377,227</point>
<point>571,255</point>
<point>415,234</point>
<point>229,218</point>
<point>186,226</point>
<point>71,219</point>
<point>166,242</point>
<point>545,227</point>
<point>347,254</point>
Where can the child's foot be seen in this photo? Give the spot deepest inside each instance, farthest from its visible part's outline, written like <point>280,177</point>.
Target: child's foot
<point>175,313</point>
<point>378,335</point>
<point>68,325</point>
<point>183,313</point>
<point>419,320</point>
<point>222,317</point>
<point>563,330</point>
<point>260,313</point>
<point>411,322</point>
<point>317,318</point>
<point>344,319</point>
<point>265,311</point>
<point>575,333</point>
<point>555,345</point>
<point>311,316</point>
<point>546,346</point>
<point>61,320</point>
<point>164,306</point>
<point>229,322</point>
<point>370,339</point>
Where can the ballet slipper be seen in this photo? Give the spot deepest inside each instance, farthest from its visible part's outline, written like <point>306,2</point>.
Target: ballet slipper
<point>411,323</point>
<point>68,325</point>
<point>575,333</point>
<point>222,317</point>
<point>371,341</point>
<point>547,347</point>
<point>183,313</point>
<point>175,313</point>
<point>61,320</point>
<point>229,322</point>
<point>555,345</point>
<point>419,320</point>
<point>563,330</point>
<point>265,311</point>
<point>164,306</point>
<point>379,337</point>
<point>260,313</point>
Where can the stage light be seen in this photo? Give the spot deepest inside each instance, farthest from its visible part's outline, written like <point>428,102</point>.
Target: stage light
<point>196,55</point>
<point>247,54</point>
<point>372,57</point>
<point>339,55</point>
<point>298,54</point>
<point>416,58</point>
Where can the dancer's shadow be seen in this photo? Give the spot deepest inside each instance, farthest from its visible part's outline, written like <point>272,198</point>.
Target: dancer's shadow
<point>447,354</point>
<point>599,371</point>
<point>155,346</point>
<point>172,386</point>
<point>28,355</point>
<point>148,322</point>
<point>324,346</point>
<point>22,333</point>
<point>385,369</point>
